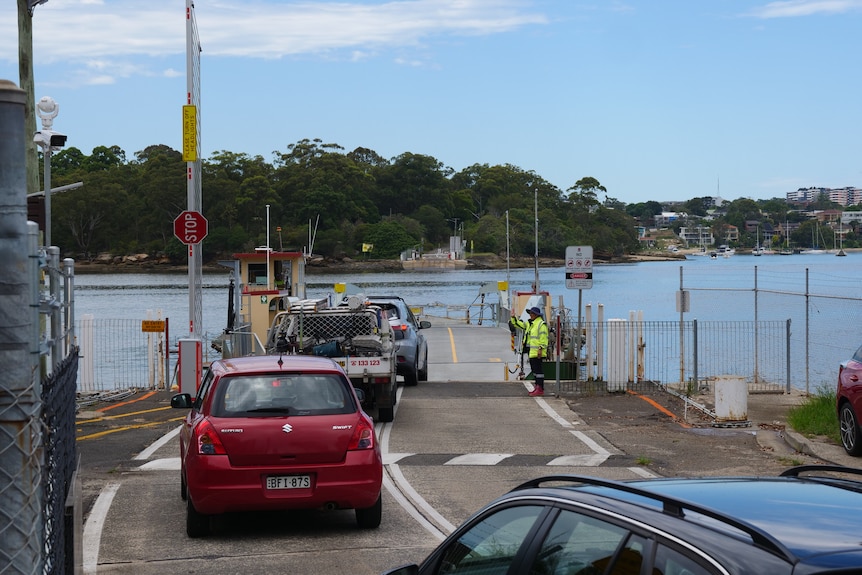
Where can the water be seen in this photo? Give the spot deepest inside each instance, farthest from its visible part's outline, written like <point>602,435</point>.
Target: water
<point>650,287</point>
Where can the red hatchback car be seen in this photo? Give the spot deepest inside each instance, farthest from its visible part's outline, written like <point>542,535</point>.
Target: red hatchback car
<point>849,403</point>
<point>277,433</point>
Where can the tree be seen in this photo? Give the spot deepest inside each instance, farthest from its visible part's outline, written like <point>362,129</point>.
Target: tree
<point>585,192</point>
<point>697,206</point>
<point>389,239</point>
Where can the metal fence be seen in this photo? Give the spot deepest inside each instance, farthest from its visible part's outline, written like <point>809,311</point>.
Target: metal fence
<point>824,310</point>
<point>116,354</point>
<point>61,514</point>
<point>686,356</point>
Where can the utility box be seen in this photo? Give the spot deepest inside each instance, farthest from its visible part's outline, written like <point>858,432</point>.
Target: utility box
<point>731,400</point>
<point>190,366</point>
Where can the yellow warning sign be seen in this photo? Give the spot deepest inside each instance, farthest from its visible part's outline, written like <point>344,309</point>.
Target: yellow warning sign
<point>190,133</point>
<point>152,325</point>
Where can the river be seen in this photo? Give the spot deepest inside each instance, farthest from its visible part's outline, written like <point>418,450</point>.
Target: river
<point>720,289</point>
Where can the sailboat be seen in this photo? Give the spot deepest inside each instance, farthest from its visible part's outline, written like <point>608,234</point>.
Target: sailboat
<point>757,251</point>
<point>786,251</point>
<point>815,245</point>
<point>840,235</point>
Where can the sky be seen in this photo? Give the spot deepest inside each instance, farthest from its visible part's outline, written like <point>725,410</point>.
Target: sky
<point>656,99</point>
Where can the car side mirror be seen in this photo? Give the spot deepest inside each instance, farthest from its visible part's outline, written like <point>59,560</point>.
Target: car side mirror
<point>360,394</point>
<point>424,324</point>
<point>182,401</point>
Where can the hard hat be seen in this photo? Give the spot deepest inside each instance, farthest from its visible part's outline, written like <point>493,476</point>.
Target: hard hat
<point>534,311</point>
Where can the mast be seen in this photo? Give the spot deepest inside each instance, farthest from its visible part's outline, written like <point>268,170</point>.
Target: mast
<point>536,228</point>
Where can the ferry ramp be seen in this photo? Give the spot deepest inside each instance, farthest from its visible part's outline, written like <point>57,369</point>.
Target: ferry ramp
<point>458,351</point>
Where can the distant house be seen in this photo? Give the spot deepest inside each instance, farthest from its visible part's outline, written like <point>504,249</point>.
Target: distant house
<point>666,219</point>
<point>731,234</point>
<point>696,236</point>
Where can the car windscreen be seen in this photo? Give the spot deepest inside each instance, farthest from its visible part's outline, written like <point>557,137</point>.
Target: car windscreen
<point>282,394</point>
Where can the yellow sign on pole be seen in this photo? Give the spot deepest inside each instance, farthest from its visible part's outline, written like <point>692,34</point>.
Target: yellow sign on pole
<point>367,247</point>
<point>152,325</point>
<point>190,133</point>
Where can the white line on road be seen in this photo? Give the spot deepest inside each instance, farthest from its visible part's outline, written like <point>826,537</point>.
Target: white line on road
<point>478,459</point>
<point>148,452</point>
<point>93,527</point>
<point>419,500</point>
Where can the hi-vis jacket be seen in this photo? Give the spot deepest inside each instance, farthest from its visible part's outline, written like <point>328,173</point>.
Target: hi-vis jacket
<point>535,334</point>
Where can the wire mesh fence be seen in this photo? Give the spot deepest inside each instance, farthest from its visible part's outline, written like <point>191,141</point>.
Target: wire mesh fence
<point>688,356</point>
<point>824,310</point>
<point>60,460</point>
<point>116,354</point>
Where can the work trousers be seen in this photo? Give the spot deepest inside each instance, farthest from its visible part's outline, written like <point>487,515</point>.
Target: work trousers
<point>538,373</point>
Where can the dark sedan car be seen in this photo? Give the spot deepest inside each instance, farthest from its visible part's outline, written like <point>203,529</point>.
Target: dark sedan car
<point>806,521</point>
<point>410,346</point>
<point>277,433</point>
<point>849,403</point>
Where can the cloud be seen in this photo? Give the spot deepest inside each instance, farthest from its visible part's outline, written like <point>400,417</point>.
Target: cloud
<point>76,33</point>
<point>74,29</point>
<point>796,8</point>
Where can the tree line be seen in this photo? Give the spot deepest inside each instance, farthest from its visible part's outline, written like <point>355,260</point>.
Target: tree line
<point>347,199</point>
<point>342,199</point>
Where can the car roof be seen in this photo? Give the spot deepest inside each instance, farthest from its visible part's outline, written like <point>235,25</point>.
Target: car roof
<point>792,516</point>
<point>393,298</point>
<point>273,363</point>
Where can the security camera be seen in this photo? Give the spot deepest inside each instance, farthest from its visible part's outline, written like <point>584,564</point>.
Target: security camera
<point>58,140</point>
<point>50,138</point>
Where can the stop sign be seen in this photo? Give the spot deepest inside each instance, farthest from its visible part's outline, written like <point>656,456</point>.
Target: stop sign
<point>190,227</point>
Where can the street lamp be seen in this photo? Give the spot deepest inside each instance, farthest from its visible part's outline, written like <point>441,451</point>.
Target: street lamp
<point>49,140</point>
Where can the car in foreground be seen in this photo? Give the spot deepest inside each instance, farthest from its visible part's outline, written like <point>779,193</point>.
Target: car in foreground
<point>277,432</point>
<point>808,521</point>
<point>849,403</point>
<point>410,345</point>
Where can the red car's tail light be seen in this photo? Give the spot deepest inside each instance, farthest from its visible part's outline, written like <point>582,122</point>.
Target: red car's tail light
<point>208,440</point>
<point>363,437</point>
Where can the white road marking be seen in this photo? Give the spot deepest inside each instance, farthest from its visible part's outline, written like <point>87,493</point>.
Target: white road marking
<point>419,500</point>
<point>148,452</point>
<point>478,459</point>
<point>642,472</point>
<point>163,464</point>
<point>586,460</point>
<point>93,527</point>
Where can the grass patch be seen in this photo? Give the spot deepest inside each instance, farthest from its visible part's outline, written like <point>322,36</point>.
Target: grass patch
<point>816,416</point>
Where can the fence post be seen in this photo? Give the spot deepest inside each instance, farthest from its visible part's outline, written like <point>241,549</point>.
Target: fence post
<point>694,354</point>
<point>21,521</point>
<point>787,355</point>
<point>87,353</point>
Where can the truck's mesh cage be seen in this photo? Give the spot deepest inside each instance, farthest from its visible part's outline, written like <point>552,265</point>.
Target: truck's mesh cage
<point>321,327</point>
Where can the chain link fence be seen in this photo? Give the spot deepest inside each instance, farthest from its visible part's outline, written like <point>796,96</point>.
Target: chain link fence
<point>61,515</point>
<point>824,309</point>
<point>685,356</point>
<point>780,331</point>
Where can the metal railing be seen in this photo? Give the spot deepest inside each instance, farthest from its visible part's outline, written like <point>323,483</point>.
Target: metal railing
<point>686,356</point>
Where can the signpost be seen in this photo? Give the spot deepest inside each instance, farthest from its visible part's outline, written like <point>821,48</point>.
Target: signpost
<point>579,276</point>
<point>190,227</point>
<point>579,267</point>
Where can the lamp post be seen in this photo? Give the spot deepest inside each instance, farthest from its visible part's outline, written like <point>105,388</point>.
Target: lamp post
<point>47,139</point>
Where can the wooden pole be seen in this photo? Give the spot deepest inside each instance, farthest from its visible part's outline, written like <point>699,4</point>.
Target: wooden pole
<point>25,74</point>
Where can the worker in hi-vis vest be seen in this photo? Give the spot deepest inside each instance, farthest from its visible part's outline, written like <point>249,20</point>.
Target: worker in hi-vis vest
<point>536,340</point>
